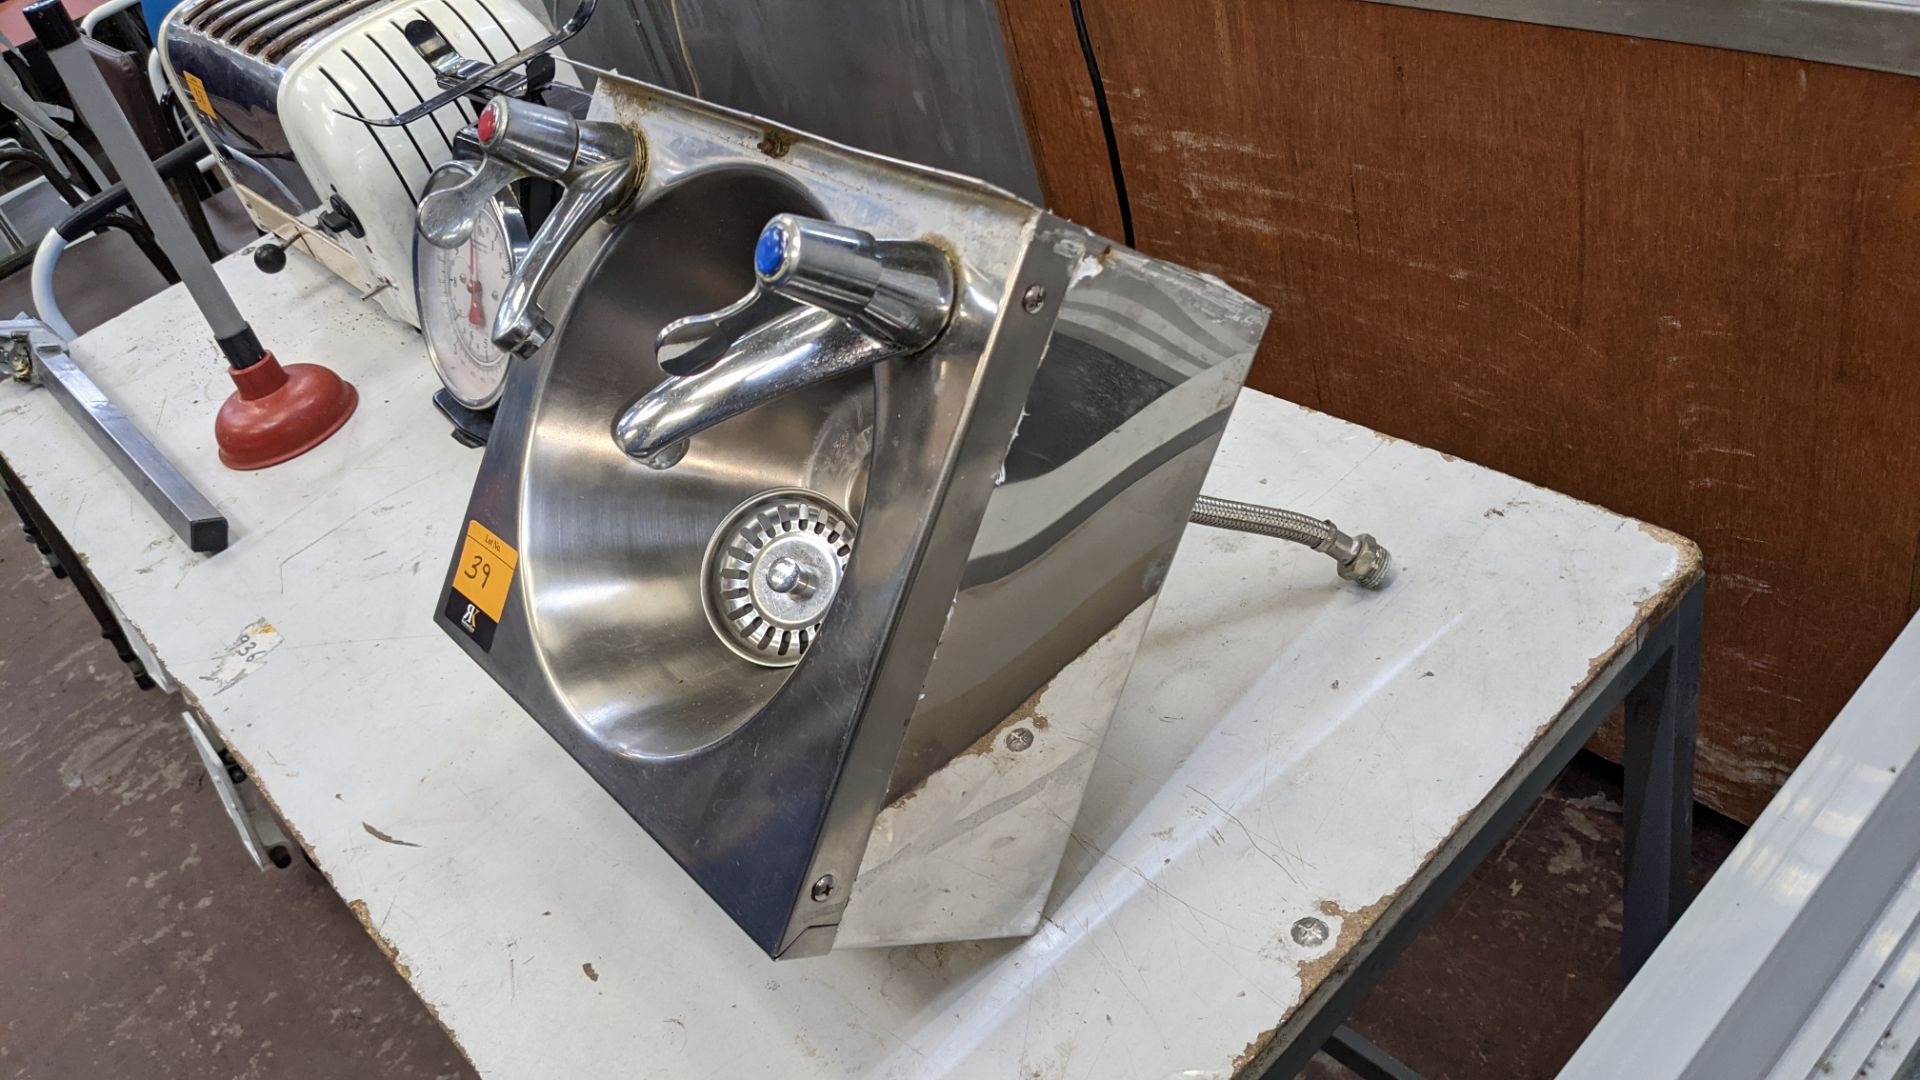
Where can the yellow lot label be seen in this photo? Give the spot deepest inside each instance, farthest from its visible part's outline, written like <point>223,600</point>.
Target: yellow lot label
<point>486,570</point>
<point>198,91</point>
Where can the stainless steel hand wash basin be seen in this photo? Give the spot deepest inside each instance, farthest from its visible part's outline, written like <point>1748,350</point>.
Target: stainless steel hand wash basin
<point>842,600</point>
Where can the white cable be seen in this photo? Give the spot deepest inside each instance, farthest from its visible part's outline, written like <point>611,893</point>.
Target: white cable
<point>157,76</point>
<point>44,261</point>
<point>293,201</point>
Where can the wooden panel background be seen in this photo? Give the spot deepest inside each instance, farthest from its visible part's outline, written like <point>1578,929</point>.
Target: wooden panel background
<point>1676,281</point>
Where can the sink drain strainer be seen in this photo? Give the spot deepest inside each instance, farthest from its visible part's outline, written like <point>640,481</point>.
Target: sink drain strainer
<point>772,571</point>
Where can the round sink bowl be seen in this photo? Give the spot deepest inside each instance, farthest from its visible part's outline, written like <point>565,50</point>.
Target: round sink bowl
<point>612,551</point>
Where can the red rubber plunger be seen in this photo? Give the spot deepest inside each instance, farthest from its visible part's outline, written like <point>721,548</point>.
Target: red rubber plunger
<point>277,413</point>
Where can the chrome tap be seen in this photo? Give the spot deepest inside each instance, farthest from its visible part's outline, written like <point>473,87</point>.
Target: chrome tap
<point>598,163</point>
<point>827,300</point>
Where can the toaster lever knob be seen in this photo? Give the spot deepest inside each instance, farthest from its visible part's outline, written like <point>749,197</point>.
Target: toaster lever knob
<point>271,257</point>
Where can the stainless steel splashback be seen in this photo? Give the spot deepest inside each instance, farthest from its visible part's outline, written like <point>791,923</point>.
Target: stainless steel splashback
<point>1126,411</point>
<point>925,81</point>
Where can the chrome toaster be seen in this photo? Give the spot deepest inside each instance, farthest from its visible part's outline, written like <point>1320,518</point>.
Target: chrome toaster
<point>280,88</point>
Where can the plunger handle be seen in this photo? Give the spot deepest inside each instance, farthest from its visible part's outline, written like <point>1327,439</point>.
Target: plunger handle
<point>275,414</point>
<point>58,33</point>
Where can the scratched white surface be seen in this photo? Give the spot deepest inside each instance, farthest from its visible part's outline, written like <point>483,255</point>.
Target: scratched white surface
<point>1287,746</point>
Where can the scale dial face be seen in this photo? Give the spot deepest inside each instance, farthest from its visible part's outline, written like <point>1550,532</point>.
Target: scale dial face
<point>459,292</point>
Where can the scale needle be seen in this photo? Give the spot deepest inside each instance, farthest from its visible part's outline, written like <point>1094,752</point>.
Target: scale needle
<point>474,314</point>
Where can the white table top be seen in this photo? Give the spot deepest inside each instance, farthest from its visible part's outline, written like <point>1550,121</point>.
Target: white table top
<point>1288,746</point>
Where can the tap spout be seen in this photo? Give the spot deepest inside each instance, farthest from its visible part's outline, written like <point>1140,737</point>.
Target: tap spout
<point>826,300</point>
<point>803,347</point>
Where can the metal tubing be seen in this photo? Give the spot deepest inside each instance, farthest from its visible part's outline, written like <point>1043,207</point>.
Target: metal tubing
<point>39,163</point>
<point>143,240</point>
<point>172,495</point>
<point>1359,1054</point>
<point>1264,520</point>
<point>45,259</point>
<point>96,106</point>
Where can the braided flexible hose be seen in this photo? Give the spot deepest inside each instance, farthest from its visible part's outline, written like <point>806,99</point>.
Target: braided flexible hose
<point>1362,560</point>
<point>1264,520</point>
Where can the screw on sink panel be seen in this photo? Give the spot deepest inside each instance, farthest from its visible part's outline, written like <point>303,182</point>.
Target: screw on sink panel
<point>1310,932</point>
<point>1019,739</point>
<point>1034,299</point>
<point>823,888</point>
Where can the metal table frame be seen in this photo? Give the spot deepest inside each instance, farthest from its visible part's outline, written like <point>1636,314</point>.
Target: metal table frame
<point>1802,956</point>
<point>1659,686</point>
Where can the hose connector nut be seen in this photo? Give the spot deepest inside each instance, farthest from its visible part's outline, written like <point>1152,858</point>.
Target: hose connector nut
<point>1371,567</point>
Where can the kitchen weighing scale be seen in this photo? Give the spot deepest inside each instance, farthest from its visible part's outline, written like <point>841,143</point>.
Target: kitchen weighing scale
<point>458,292</point>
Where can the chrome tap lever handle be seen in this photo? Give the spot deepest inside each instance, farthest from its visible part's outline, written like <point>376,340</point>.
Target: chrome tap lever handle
<point>695,342</point>
<point>445,218</point>
<point>540,140</point>
<point>827,301</point>
<point>519,139</point>
<point>900,293</point>
<point>598,164</point>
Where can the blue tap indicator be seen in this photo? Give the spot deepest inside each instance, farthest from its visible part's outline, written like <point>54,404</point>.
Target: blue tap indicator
<point>770,254</point>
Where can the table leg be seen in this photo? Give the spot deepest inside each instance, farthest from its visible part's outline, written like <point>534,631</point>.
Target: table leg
<point>1359,1054</point>
<point>1661,716</point>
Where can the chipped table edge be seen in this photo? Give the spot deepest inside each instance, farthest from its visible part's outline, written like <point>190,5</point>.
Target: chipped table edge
<point>1326,974</point>
<point>358,906</point>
